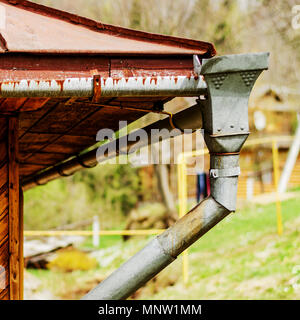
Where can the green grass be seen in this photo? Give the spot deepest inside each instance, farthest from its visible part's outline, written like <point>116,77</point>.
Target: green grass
<point>247,225</point>
<point>105,242</point>
<point>241,258</point>
<point>244,258</point>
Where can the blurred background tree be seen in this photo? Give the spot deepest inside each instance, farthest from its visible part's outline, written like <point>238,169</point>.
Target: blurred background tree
<point>109,191</point>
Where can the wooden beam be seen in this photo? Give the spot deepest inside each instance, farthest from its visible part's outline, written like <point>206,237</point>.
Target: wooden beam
<point>4,224</point>
<point>21,237</point>
<point>11,223</point>
<point>13,197</point>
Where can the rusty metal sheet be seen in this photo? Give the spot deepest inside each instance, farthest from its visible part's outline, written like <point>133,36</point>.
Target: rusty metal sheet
<point>126,67</point>
<point>30,27</point>
<point>18,66</point>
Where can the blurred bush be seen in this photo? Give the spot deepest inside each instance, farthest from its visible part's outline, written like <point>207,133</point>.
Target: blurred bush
<point>70,260</point>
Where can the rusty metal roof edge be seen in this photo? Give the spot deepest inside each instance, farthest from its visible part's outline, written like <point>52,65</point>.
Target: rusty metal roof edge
<point>208,48</point>
<point>111,53</point>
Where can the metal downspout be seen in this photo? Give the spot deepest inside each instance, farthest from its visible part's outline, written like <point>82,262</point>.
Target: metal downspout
<point>224,137</point>
<point>160,252</point>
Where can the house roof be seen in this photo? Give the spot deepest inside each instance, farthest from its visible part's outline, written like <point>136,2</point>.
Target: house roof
<point>29,27</point>
<point>39,44</point>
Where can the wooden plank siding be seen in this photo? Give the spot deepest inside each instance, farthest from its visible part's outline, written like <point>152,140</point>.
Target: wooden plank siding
<point>61,129</point>
<point>10,222</point>
<point>4,216</point>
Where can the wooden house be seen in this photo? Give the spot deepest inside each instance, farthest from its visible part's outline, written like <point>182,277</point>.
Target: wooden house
<point>62,78</point>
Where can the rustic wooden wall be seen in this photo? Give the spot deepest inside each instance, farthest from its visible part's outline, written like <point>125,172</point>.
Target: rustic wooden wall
<point>10,222</point>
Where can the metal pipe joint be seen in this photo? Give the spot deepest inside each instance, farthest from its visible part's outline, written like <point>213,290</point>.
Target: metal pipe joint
<point>224,175</point>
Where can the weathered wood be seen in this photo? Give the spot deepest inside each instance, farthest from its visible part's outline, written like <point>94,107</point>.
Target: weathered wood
<point>3,127</point>
<point>4,202</point>
<point>4,265</point>
<point>29,119</point>
<point>10,219</point>
<point>3,174</point>
<point>70,144</point>
<point>4,224</point>
<point>4,295</point>
<point>42,158</point>
<point>21,237</point>
<point>33,142</point>
<point>13,209</point>
<point>67,116</point>
<point>27,169</point>
<point>12,104</point>
<point>64,127</point>
<point>3,227</point>
<point>33,104</point>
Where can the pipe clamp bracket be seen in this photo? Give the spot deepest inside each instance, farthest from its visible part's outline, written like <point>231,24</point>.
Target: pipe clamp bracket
<point>97,88</point>
<point>222,173</point>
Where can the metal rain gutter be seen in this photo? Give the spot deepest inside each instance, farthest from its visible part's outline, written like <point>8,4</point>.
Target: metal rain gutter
<point>105,87</point>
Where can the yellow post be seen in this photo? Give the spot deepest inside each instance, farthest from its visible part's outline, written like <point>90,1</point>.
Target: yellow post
<point>276,179</point>
<point>182,195</point>
<point>86,233</point>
